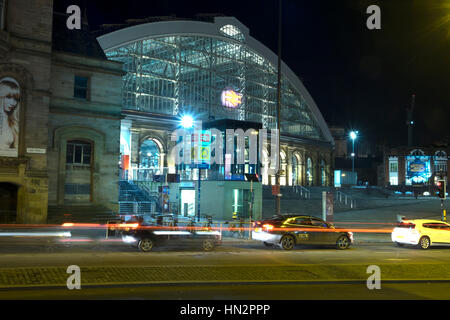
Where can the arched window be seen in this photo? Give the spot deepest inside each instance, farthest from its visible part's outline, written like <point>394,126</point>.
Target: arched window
<point>296,170</point>
<point>323,172</point>
<point>149,155</point>
<point>309,172</point>
<point>440,162</point>
<point>440,154</point>
<point>78,173</point>
<point>283,168</point>
<point>417,152</point>
<point>265,167</point>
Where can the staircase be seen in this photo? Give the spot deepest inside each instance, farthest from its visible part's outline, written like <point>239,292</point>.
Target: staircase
<point>134,199</point>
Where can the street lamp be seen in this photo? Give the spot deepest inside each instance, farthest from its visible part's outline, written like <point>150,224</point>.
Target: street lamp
<point>353,136</point>
<point>187,121</point>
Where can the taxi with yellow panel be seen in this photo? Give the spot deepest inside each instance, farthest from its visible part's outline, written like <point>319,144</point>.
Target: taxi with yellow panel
<point>287,231</point>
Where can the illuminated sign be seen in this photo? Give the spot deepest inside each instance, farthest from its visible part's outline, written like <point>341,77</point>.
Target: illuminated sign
<point>418,170</point>
<point>417,167</point>
<point>201,154</point>
<point>231,98</point>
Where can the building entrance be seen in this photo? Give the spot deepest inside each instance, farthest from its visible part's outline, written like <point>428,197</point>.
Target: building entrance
<point>8,203</point>
<point>188,202</point>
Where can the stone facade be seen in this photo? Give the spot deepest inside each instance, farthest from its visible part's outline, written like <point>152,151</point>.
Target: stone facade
<point>49,116</point>
<point>25,56</point>
<point>95,120</point>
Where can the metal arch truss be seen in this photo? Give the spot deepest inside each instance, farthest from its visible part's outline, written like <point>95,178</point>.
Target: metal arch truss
<point>172,74</point>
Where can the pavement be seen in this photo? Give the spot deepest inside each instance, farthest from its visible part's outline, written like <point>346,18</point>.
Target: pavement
<point>119,275</point>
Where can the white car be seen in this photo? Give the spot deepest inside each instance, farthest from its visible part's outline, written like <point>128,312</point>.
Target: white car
<point>421,232</point>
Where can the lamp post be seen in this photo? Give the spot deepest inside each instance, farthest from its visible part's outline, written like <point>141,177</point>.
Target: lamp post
<point>187,122</point>
<point>277,175</point>
<point>353,136</point>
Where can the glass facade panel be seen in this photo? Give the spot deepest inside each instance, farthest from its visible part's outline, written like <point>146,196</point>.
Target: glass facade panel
<point>187,74</point>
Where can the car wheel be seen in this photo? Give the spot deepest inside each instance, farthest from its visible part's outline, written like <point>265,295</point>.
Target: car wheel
<point>267,244</point>
<point>287,242</point>
<point>208,245</point>
<point>398,244</point>
<point>145,245</point>
<point>424,243</point>
<point>343,242</point>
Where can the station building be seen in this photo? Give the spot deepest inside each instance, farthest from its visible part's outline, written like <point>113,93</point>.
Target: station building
<point>81,117</point>
<point>213,70</point>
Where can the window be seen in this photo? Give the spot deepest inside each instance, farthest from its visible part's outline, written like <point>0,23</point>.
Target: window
<point>440,154</point>
<point>302,221</point>
<point>441,226</point>
<point>319,223</point>
<point>80,87</point>
<point>393,171</point>
<point>440,166</point>
<point>309,172</point>
<point>2,14</point>
<point>78,152</point>
<point>393,181</point>
<point>393,167</point>
<point>323,172</point>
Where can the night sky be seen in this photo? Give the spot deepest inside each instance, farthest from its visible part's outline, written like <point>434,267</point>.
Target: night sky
<point>361,79</point>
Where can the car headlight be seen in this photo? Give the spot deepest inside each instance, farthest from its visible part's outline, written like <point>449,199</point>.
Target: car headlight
<point>129,239</point>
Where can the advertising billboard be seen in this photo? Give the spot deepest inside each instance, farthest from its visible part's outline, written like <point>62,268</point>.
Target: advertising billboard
<point>9,117</point>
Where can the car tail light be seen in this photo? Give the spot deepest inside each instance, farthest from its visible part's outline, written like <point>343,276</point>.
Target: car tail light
<point>128,226</point>
<point>406,225</point>
<point>268,227</point>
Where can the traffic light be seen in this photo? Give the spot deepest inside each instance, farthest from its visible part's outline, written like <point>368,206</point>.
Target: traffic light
<point>441,185</point>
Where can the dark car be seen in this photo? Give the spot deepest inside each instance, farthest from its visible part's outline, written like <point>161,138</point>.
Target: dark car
<point>289,230</point>
<point>145,236</point>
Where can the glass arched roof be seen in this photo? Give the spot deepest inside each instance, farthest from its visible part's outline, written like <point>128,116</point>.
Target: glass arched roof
<point>187,72</point>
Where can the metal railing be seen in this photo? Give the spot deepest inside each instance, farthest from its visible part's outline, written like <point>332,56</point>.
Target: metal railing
<point>151,175</point>
<point>304,193</point>
<point>136,207</point>
<point>346,199</point>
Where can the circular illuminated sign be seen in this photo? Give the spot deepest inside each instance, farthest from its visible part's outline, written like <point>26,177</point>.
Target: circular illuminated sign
<point>231,98</point>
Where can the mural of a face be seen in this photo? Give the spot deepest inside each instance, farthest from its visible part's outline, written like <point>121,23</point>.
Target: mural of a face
<point>9,117</point>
